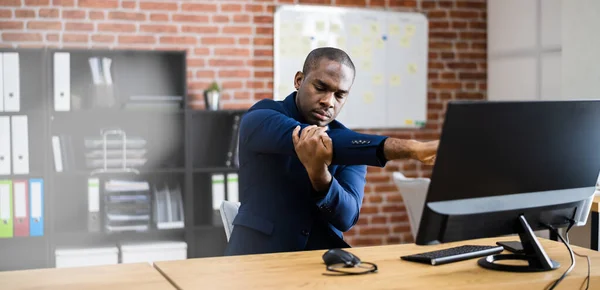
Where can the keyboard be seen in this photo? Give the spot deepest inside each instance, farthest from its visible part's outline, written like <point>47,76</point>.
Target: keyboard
<point>454,254</point>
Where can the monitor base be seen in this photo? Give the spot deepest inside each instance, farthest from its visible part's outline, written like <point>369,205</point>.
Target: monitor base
<point>489,262</point>
<point>531,251</point>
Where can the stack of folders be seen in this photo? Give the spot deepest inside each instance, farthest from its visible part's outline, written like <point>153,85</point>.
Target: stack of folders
<point>21,208</point>
<point>168,207</point>
<point>134,152</point>
<point>166,103</point>
<point>127,205</point>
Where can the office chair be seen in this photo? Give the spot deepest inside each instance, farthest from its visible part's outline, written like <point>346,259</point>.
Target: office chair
<point>414,192</point>
<point>228,210</point>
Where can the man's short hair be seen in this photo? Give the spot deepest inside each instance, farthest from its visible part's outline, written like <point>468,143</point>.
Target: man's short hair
<point>331,53</point>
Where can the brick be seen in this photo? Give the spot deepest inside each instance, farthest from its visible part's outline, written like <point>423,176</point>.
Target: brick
<point>403,3</point>
<point>64,3</point>
<point>159,17</point>
<point>199,7</point>
<point>464,14</point>
<point>218,40</point>
<point>434,14</point>
<point>372,178</point>
<point>158,28</point>
<point>313,2</point>
<point>447,55</point>
<point>230,85</point>
<point>135,39</point>
<point>394,197</point>
<point>178,39</point>
<point>393,240</point>
<point>261,19</point>
<point>254,8</point>
<point>200,29</point>
<point>243,95</point>
<point>226,62</point>
<point>363,241</point>
<point>356,3</point>
<point>99,4</point>
<point>96,15</point>
<point>129,16</point>
<point>22,13</point>
<point>446,85</point>
<point>52,37</point>
<point>399,217</point>
<point>190,18</point>
<point>103,38</point>
<point>377,220</point>
<point>263,41</point>
<point>74,37</point>
<point>462,65</point>
<point>205,74</point>
<point>4,13</point>
<point>428,4</point>
<point>263,74</point>
<point>144,5</point>
<point>445,4</point>
<point>128,4</point>
<point>231,7</point>
<point>459,24</point>
<point>264,30</point>
<point>21,37</point>
<point>443,35</point>
<point>238,105</point>
<point>243,41</point>
<point>7,25</point>
<point>79,26</point>
<point>448,76</point>
<point>469,96</point>
<point>472,55</point>
<point>433,55</point>
<point>368,210</point>
<point>479,5</point>
<point>73,14</point>
<point>220,18</point>
<point>432,75</point>
<point>237,30</point>
<point>374,231</point>
<point>377,3</point>
<point>472,76</point>
<point>241,18</point>
<point>6,3</point>
<point>440,45</point>
<point>255,84</point>
<point>116,27</point>
<point>234,73</point>
<point>478,25</point>
<point>37,2</point>
<point>375,198</point>
<point>439,24</point>
<point>48,13</point>
<point>44,25</point>
<point>243,52</point>
<point>202,51</point>
<point>261,62</point>
<point>263,52</point>
<point>385,187</point>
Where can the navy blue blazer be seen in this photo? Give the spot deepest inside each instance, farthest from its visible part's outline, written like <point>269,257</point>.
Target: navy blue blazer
<point>280,211</point>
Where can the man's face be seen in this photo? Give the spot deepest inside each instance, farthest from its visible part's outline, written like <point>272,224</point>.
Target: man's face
<point>323,91</point>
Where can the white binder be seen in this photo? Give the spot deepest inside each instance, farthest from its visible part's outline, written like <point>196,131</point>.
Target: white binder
<point>62,81</point>
<point>4,145</point>
<point>20,144</point>
<point>1,84</point>
<point>12,83</point>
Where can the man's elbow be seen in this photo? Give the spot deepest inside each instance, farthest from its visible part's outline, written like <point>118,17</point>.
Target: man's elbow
<point>345,225</point>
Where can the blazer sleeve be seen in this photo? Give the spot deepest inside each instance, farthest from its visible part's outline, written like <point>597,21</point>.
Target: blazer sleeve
<point>341,204</point>
<point>270,131</point>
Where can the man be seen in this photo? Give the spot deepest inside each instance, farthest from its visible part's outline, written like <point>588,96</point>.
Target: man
<point>302,173</point>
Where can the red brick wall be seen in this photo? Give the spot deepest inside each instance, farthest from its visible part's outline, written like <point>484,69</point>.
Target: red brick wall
<point>231,42</point>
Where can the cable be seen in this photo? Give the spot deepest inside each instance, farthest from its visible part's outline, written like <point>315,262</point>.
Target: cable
<point>571,254</point>
<point>589,262</point>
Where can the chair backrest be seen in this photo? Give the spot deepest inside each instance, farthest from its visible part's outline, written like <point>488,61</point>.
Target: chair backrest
<point>229,210</point>
<point>414,193</point>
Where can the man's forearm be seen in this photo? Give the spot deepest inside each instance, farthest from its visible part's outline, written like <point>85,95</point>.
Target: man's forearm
<point>394,148</point>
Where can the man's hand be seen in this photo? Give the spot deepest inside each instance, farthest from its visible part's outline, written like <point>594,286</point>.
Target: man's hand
<point>425,152</point>
<point>314,148</point>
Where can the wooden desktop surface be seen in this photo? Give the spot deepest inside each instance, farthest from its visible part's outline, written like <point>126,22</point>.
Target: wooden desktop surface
<point>305,269</point>
<point>111,277</point>
<point>596,204</point>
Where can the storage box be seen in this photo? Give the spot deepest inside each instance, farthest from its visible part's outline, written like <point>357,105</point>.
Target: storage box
<point>153,252</point>
<point>67,258</point>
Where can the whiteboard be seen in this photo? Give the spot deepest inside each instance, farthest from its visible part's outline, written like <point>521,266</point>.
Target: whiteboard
<point>388,48</point>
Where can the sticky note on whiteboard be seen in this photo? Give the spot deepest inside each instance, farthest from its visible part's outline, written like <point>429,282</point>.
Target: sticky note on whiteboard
<point>367,65</point>
<point>395,80</point>
<point>335,28</point>
<point>355,29</point>
<point>410,29</point>
<point>375,28</point>
<point>409,122</point>
<point>377,79</point>
<point>412,68</point>
<point>395,29</point>
<point>320,26</point>
<point>380,43</point>
<point>405,41</point>
<point>368,97</point>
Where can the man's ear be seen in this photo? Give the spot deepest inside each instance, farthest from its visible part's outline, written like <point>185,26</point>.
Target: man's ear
<point>298,79</point>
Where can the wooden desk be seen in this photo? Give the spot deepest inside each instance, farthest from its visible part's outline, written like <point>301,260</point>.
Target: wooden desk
<point>595,212</point>
<point>113,277</point>
<point>304,270</point>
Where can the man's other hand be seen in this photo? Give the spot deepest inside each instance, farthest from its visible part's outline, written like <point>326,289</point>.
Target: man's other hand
<point>426,152</point>
<point>314,147</point>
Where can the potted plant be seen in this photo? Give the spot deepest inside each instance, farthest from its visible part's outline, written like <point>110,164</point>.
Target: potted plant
<point>212,95</point>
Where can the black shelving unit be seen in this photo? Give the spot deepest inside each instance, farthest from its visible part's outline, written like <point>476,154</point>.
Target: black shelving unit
<point>182,146</point>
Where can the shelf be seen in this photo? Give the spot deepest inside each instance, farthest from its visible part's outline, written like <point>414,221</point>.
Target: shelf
<point>141,171</point>
<point>216,169</point>
<point>90,239</point>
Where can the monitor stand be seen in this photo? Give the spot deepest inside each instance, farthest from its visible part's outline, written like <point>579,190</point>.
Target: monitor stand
<point>532,252</point>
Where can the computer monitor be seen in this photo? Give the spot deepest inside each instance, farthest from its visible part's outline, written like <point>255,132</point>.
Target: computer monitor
<point>511,168</point>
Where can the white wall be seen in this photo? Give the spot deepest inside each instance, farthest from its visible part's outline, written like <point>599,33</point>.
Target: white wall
<point>524,49</point>
<point>581,49</point>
